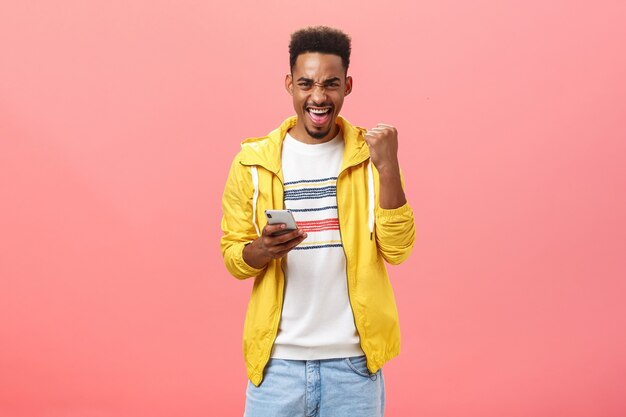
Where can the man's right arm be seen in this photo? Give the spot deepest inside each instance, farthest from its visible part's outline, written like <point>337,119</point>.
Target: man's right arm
<point>245,253</point>
<point>238,230</point>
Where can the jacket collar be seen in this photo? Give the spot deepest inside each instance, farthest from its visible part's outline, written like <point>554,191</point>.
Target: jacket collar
<point>266,150</point>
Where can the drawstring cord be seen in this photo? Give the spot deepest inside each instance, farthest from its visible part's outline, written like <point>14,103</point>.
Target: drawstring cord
<point>370,198</point>
<point>255,197</point>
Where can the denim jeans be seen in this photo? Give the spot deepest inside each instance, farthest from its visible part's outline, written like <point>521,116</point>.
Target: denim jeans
<point>318,388</point>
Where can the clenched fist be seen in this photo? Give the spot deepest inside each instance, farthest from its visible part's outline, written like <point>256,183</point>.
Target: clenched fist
<point>383,143</point>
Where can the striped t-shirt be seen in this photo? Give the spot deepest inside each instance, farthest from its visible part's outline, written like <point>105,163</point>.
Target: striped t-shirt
<point>317,320</point>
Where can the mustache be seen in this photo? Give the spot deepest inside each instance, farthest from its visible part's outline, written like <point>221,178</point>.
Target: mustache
<point>319,105</point>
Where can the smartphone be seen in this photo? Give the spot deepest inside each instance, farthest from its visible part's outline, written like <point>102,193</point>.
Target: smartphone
<point>281,216</point>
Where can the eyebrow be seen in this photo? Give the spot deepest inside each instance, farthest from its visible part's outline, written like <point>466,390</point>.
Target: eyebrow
<point>330,80</point>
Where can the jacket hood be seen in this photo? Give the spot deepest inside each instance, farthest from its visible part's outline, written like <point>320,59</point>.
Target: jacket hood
<point>262,150</point>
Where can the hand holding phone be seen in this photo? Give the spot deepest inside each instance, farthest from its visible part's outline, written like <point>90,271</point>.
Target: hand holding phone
<point>281,217</point>
<point>268,246</point>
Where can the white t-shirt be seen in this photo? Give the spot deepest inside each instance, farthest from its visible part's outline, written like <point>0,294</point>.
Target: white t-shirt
<point>317,320</point>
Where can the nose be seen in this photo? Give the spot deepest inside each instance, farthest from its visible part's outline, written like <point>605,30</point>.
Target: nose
<point>318,94</point>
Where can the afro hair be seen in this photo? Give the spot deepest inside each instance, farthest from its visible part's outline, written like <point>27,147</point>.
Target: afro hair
<point>322,39</point>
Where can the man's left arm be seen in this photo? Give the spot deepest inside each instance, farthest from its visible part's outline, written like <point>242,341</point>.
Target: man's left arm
<point>395,228</point>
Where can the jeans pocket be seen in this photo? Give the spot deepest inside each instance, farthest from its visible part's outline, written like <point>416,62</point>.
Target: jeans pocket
<point>359,365</point>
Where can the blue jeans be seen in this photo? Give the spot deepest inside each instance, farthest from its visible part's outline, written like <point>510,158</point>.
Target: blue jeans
<point>319,388</point>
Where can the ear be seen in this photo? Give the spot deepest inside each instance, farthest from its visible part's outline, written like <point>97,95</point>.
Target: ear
<point>348,85</point>
<point>289,84</point>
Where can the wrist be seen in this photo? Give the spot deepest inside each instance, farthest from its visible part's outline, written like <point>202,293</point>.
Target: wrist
<point>391,170</point>
<point>254,256</point>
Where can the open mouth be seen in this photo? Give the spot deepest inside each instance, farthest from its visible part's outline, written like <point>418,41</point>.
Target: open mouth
<point>319,115</point>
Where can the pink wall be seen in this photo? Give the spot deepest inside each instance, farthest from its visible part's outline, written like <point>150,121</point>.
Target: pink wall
<point>118,121</point>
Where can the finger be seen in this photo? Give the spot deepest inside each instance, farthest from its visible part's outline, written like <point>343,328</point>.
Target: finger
<point>379,130</point>
<point>276,240</point>
<point>288,246</point>
<point>270,229</point>
<point>372,133</point>
<point>281,250</point>
<point>386,125</point>
<point>287,237</point>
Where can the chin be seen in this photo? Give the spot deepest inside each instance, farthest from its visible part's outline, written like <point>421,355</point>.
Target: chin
<point>318,134</point>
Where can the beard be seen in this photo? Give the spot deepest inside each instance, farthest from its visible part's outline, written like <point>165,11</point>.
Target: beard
<point>317,134</point>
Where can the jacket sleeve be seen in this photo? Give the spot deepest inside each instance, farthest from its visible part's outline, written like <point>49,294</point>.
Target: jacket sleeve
<point>395,231</point>
<point>237,227</point>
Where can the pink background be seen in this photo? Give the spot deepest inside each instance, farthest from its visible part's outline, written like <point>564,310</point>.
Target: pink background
<point>118,121</point>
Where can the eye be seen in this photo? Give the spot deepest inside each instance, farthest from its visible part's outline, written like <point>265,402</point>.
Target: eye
<point>304,85</point>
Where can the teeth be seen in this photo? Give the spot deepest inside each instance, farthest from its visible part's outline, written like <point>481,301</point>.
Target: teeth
<point>319,111</point>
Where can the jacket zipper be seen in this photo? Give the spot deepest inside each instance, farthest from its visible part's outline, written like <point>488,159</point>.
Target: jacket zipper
<point>282,299</point>
<point>347,263</point>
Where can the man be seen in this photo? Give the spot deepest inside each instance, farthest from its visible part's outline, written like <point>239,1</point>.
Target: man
<point>321,321</point>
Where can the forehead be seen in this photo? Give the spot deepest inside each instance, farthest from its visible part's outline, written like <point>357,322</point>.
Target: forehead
<point>316,65</point>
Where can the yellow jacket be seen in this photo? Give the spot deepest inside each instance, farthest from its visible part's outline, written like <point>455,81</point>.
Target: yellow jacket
<point>371,296</point>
